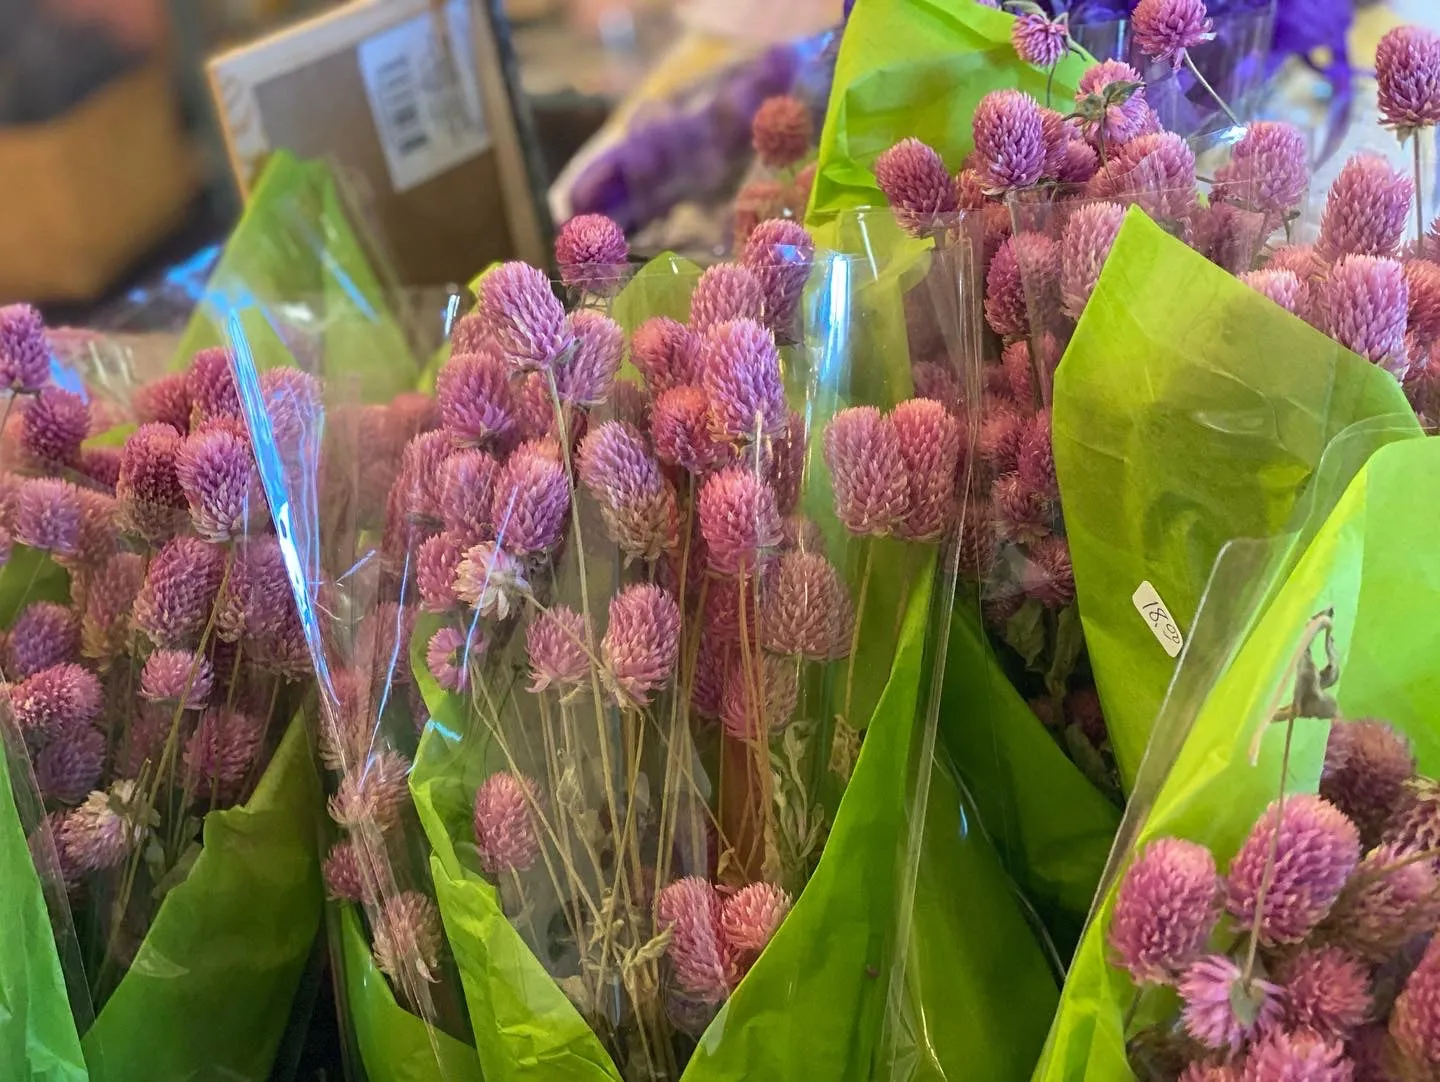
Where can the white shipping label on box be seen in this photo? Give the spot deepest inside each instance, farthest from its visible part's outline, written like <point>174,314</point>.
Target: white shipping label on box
<point>427,108</point>
<point>1157,617</point>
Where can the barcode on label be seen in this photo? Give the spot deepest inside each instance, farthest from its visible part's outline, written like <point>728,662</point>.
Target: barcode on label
<point>398,90</point>
<point>1157,617</point>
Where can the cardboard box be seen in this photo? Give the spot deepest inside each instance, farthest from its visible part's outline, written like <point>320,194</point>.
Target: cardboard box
<point>408,100</point>
<point>88,194</point>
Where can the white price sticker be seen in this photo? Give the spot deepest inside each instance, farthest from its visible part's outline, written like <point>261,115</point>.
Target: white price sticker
<point>1157,617</point>
<point>424,97</point>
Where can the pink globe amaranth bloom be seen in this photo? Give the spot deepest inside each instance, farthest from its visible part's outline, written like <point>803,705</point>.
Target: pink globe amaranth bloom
<point>803,608</point>
<point>101,465</point>
<point>1299,259</point>
<point>44,634</point>
<point>742,378</point>
<point>221,753</point>
<point>1407,69</point>
<point>526,319</point>
<point>1040,40</point>
<point>69,767</point>
<point>929,439</point>
<point>1075,163</point>
<point>1318,849</point>
<point>555,644</point>
<point>1035,460</point>
<point>781,131</point>
<point>417,488</point>
<point>24,350</point>
<point>152,504</point>
<point>412,412</point>
<point>1001,433</point>
<point>447,656</point>
<point>1415,826</point>
<point>739,521</point>
<point>592,254</point>
<point>504,824</point>
<point>867,471</point>
<point>750,917</point>
<point>680,427</point>
<point>52,426</point>
<point>1389,901</point>
<point>641,641</point>
<point>636,501</point>
<point>294,408</point>
<point>970,191</point>
<point>1364,305</point>
<point>99,532</point>
<point>786,469</point>
<point>1018,371</point>
<point>704,966</point>
<point>490,580</point>
<point>408,938</point>
<point>978,542</point>
<point>344,881</point>
<point>180,589</point>
<point>436,563</point>
<point>1024,275</point>
<point>1301,1056</point>
<point>584,377</point>
<point>779,253</point>
<point>996,229</point>
<point>918,186</point>
<point>1415,1019</point>
<point>531,503</point>
<point>1122,121</point>
<point>1268,172</point>
<point>373,792</point>
<point>1155,171</point>
<point>757,201</point>
<point>1210,990</point>
<point>103,831</point>
<point>477,405</point>
<point>1366,211</point>
<point>1165,29</point>
<point>1022,513</point>
<point>467,494</point>
<point>666,353</point>
<point>1048,575</point>
<point>777,679</point>
<point>1423,279</point>
<point>708,689</point>
<point>47,516</point>
<point>1165,909</point>
<point>724,293</point>
<point>257,603</point>
<point>176,676</point>
<point>1009,141</point>
<point>1282,287</point>
<point>210,385</point>
<point>1085,246</point>
<point>105,623</point>
<point>1327,992</point>
<point>217,474</point>
<point>165,400</point>
<point>1367,764</point>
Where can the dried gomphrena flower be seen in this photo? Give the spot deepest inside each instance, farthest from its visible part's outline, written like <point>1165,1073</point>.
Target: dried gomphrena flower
<point>642,641</point>
<point>703,966</point>
<point>504,824</point>
<point>1221,1008</point>
<point>1165,909</point>
<point>781,131</point>
<point>1165,29</point>
<point>592,254</point>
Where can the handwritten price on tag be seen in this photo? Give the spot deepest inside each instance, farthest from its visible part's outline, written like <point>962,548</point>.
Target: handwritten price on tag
<point>1162,625</point>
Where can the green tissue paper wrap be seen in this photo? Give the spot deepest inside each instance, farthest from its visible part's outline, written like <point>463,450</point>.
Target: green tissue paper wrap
<point>1368,562</point>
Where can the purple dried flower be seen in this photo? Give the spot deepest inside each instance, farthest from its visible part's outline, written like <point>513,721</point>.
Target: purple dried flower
<point>105,625</point>
<point>929,440</point>
<point>738,520</point>
<point>1318,849</point>
<point>742,378</point>
<point>680,427</point>
<point>1415,825</point>
<point>1407,68</point>
<point>786,468</point>
<point>1415,1020</point>
<point>1022,512</point>
<point>585,376</point>
<point>1299,259</point>
<point>1001,433</point>
<point>636,501</point>
<point>1035,460</point>
<point>867,471</point>
<point>52,427</point>
<point>1165,29</point>
<point>526,320</point>
<point>210,386</point>
<point>436,563</point>
<point>1165,909</point>
<point>531,503</point>
<point>726,292</point>
<point>1367,764</point>
<point>1302,1056</point>
<point>467,494</point>
<point>704,967</point>
<point>917,186</point>
<point>477,406</point>
<point>165,400</point>
<point>1155,170</point>
<point>755,202</point>
<point>555,643</point>
<point>1026,268</point>
<point>751,916</point>
<point>1327,992</point>
<point>180,590</point>
<point>152,503</point>
<point>1423,279</point>
<point>47,516</point>
<point>781,131</point>
<point>591,252</point>
<point>666,353</point>
<point>408,938</point>
<point>1212,990</point>
<point>1366,210</point>
<point>372,793</point>
<point>803,609</point>
<point>504,824</point>
<point>101,832</point>
<point>217,474</point>
<point>294,408</point>
<point>1268,171</point>
<point>641,641</point>
<point>1040,40</point>
<point>24,350</point>
<point>101,465</point>
<point>970,191</point>
<point>99,531</point>
<point>1364,305</point>
<point>779,253</point>
<point>43,635</point>
<point>417,488</point>
<point>1048,575</point>
<point>171,676</point>
<point>344,880</point>
<point>221,752</point>
<point>257,602</point>
<point>490,580</point>
<point>1282,287</point>
<point>69,767</point>
<point>1389,901</point>
<point>447,656</point>
<point>1124,120</point>
<point>1009,141</point>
